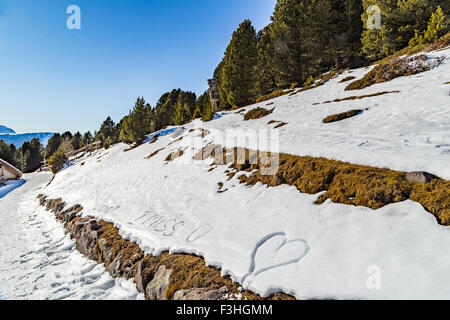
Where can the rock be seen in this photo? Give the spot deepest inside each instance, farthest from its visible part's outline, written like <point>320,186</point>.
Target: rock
<point>85,238</point>
<point>419,177</point>
<point>156,289</point>
<point>114,267</point>
<point>105,249</point>
<point>201,294</point>
<point>139,277</point>
<point>278,179</point>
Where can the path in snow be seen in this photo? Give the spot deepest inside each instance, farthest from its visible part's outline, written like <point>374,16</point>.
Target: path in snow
<point>39,261</point>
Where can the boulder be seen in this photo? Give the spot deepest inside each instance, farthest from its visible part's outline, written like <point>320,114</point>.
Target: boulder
<point>202,294</point>
<point>419,177</point>
<point>156,289</point>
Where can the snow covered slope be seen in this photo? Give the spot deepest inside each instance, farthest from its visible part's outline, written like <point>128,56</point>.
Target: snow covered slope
<point>272,239</point>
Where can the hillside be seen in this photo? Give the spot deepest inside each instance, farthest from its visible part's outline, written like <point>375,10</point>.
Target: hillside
<point>166,196</point>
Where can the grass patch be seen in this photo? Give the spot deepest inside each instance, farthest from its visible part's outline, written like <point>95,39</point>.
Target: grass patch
<point>273,95</point>
<point>363,96</point>
<point>347,79</point>
<point>155,153</point>
<point>281,124</point>
<point>393,68</point>
<point>257,113</point>
<point>342,116</point>
<point>174,155</point>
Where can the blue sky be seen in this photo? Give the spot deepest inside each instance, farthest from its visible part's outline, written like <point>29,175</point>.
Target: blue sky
<point>56,79</point>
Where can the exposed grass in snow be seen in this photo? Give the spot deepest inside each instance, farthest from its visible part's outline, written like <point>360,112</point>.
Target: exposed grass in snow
<point>155,153</point>
<point>347,79</point>
<point>394,68</point>
<point>174,155</point>
<point>273,95</point>
<point>342,116</point>
<point>362,97</point>
<point>257,113</point>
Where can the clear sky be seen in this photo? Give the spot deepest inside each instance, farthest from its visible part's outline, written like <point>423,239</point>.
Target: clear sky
<point>55,79</point>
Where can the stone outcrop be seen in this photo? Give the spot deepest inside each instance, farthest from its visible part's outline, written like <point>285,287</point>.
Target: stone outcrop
<point>166,277</point>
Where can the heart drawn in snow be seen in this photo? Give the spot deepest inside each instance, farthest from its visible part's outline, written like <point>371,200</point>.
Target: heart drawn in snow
<point>275,251</point>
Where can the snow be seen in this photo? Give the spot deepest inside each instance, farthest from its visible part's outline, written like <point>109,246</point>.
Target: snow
<point>10,186</point>
<point>272,239</point>
<point>38,261</point>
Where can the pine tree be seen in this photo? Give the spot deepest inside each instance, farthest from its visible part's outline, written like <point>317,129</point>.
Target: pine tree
<point>31,155</point>
<point>402,21</point>
<point>287,34</point>
<point>52,145</point>
<point>222,102</point>
<point>240,60</point>
<point>137,124</point>
<point>437,26</point>
<point>377,43</point>
<point>76,141</point>
<point>183,115</point>
<point>57,161</point>
<point>87,138</point>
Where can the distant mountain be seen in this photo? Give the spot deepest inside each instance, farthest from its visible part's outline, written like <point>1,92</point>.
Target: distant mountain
<point>6,130</point>
<point>10,137</point>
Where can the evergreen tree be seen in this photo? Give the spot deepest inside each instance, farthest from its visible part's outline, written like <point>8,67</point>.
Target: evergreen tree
<point>264,73</point>
<point>287,33</point>
<point>437,26</point>
<point>76,141</point>
<point>240,61</point>
<point>52,145</point>
<point>31,155</point>
<point>402,21</point>
<point>137,124</point>
<point>8,152</point>
<point>183,115</point>
<point>87,138</point>
<point>202,104</point>
<point>57,161</point>
<point>107,129</point>
<point>221,95</point>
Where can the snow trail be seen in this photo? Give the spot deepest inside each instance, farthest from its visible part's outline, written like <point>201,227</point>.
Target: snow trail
<point>39,261</point>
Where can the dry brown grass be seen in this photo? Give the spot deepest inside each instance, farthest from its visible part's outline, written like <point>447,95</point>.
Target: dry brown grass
<point>342,116</point>
<point>155,153</point>
<point>345,183</point>
<point>347,79</point>
<point>257,113</point>
<point>362,97</point>
<point>174,155</point>
<point>272,95</point>
<point>391,69</point>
